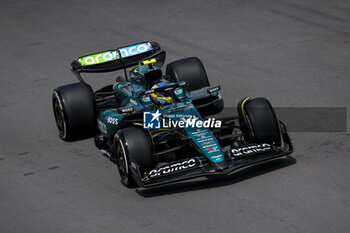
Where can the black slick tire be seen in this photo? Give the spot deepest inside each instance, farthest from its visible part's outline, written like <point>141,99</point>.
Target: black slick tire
<point>74,111</point>
<point>132,149</point>
<point>260,121</point>
<point>190,70</point>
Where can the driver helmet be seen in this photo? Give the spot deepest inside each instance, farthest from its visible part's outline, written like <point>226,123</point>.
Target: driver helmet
<point>148,70</point>
<point>161,98</point>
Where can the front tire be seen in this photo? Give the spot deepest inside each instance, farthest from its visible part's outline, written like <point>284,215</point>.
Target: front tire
<point>74,111</point>
<point>132,148</point>
<point>259,122</point>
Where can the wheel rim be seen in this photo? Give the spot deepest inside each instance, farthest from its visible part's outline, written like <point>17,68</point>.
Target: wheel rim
<point>122,161</point>
<point>59,117</point>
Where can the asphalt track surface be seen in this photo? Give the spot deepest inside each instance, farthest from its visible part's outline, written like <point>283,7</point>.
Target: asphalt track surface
<point>295,53</point>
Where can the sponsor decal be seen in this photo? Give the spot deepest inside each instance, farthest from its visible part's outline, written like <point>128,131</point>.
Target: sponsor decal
<point>135,49</point>
<point>152,120</point>
<point>180,166</point>
<point>208,144</point>
<point>212,149</point>
<point>98,58</point>
<point>250,149</point>
<point>126,109</point>
<point>214,89</point>
<point>112,120</point>
<point>112,55</point>
<point>133,102</point>
<point>102,126</point>
<point>211,145</point>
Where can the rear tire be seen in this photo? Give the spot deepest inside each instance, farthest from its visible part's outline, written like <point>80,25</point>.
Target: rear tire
<point>190,70</point>
<point>260,122</point>
<point>74,111</point>
<point>132,147</point>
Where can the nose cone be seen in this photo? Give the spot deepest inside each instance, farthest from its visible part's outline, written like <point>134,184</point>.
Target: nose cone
<point>220,166</point>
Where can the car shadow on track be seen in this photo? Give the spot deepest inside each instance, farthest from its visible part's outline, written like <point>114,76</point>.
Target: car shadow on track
<point>218,181</point>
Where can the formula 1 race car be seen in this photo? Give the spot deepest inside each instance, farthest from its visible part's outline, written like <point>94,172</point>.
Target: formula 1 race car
<point>157,128</point>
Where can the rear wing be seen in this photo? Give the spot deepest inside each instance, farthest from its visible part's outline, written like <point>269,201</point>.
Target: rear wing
<point>117,59</point>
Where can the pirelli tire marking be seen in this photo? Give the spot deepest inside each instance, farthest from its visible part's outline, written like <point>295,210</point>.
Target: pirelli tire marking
<point>62,115</point>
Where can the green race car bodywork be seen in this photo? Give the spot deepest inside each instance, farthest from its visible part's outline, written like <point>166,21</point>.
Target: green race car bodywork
<point>182,148</point>
<point>109,121</point>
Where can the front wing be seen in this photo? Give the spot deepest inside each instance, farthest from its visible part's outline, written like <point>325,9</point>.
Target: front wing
<point>200,166</point>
